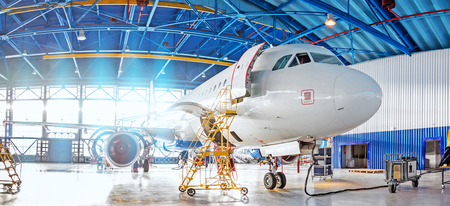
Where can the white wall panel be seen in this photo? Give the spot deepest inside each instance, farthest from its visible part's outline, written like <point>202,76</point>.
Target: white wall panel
<point>416,91</point>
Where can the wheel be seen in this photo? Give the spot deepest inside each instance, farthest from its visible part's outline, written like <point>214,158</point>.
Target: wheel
<point>191,192</point>
<point>392,188</point>
<point>146,165</point>
<point>269,181</point>
<point>244,191</point>
<point>223,186</point>
<point>181,188</point>
<point>443,186</point>
<point>415,183</point>
<point>281,180</point>
<point>244,199</point>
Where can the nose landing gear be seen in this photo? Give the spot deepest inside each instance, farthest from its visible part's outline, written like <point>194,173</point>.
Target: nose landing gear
<point>273,178</point>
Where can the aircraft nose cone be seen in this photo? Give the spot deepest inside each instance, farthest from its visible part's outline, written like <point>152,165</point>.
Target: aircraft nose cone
<point>357,97</point>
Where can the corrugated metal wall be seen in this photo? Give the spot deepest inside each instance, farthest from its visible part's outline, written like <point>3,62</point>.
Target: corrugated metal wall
<point>415,105</point>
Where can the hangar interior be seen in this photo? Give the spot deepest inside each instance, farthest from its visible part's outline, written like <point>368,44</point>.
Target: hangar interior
<point>100,64</point>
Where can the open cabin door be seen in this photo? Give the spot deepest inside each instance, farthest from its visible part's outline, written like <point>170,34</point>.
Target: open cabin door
<point>240,81</point>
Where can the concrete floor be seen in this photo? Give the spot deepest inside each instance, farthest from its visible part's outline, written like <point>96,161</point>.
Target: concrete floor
<point>82,184</point>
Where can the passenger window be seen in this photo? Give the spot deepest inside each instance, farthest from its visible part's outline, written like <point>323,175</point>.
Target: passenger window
<point>219,85</point>
<point>210,89</point>
<point>281,63</point>
<point>225,83</point>
<point>214,87</point>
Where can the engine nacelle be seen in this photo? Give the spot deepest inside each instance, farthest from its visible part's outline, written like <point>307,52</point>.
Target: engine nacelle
<point>122,149</point>
<point>289,159</point>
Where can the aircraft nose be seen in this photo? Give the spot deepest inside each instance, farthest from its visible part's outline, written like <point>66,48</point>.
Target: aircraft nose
<point>357,97</point>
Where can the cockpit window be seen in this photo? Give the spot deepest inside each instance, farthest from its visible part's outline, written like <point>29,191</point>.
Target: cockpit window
<point>325,58</point>
<point>300,58</point>
<point>281,63</point>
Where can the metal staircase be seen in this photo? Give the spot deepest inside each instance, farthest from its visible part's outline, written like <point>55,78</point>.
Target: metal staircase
<point>10,162</point>
<point>216,122</point>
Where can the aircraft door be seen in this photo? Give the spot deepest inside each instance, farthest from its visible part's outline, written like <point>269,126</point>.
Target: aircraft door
<point>240,81</point>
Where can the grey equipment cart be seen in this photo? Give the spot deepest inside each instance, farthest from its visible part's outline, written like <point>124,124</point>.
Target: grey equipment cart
<point>323,167</point>
<point>401,168</point>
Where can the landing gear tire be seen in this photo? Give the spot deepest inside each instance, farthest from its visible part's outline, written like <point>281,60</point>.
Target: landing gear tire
<point>146,165</point>
<point>270,181</point>
<point>415,183</point>
<point>281,180</point>
<point>181,188</point>
<point>244,191</point>
<point>191,192</point>
<point>392,188</point>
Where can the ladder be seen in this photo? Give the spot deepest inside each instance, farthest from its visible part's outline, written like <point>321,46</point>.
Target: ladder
<point>216,122</point>
<point>10,166</point>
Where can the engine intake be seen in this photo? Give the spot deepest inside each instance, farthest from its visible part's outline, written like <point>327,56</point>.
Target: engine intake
<point>122,149</point>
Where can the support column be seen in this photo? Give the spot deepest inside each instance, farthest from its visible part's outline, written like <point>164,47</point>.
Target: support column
<point>80,120</point>
<point>151,100</point>
<point>9,114</point>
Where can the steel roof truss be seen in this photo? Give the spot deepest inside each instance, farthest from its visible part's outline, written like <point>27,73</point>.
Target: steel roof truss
<point>358,23</point>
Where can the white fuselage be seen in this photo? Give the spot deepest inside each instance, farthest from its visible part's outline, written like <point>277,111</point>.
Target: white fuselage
<point>339,99</point>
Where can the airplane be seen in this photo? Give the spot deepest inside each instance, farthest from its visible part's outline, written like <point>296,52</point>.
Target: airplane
<point>288,96</point>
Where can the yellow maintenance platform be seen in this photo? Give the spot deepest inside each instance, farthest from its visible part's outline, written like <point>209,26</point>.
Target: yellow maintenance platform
<point>216,123</point>
<point>10,165</point>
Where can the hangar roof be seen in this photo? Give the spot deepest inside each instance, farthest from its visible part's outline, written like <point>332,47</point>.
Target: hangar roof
<point>174,43</point>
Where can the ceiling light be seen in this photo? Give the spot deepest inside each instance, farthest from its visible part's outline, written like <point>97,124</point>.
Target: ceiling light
<point>127,49</point>
<point>81,36</point>
<point>120,70</point>
<point>225,58</point>
<point>203,75</point>
<point>163,72</point>
<point>76,70</point>
<point>24,52</point>
<point>34,72</point>
<point>330,20</point>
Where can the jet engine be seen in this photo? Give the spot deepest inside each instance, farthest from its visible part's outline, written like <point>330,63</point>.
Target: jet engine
<point>122,149</point>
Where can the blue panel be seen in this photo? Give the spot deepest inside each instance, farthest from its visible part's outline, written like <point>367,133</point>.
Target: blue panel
<point>60,150</point>
<point>381,143</point>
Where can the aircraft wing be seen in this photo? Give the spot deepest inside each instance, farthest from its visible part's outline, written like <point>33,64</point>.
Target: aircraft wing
<point>155,132</point>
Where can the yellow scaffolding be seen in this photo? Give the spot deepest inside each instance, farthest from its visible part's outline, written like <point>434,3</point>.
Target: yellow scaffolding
<point>10,165</point>
<point>215,125</point>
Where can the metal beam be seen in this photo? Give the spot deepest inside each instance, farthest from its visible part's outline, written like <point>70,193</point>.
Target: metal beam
<point>30,20</point>
<point>199,15</point>
<point>23,56</point>
<point>160,71</point>
<point>304,33</point>
<point>174,5</point>
<point>202,72</point>
<point>120,27</point>
<point>285,4</point>
<point>76,67</point>
<point>293,23</point>
<point>186,37</point>
<point>144,56</point>
<point>326,7</point>
<point>398,28</point>
<point>87,11</point>
<point>241,15</point>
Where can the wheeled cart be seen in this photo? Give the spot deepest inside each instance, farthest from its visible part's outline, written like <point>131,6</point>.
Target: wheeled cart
<point>401,168</point>
<point>443,169</point>
<point>323,167</point>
